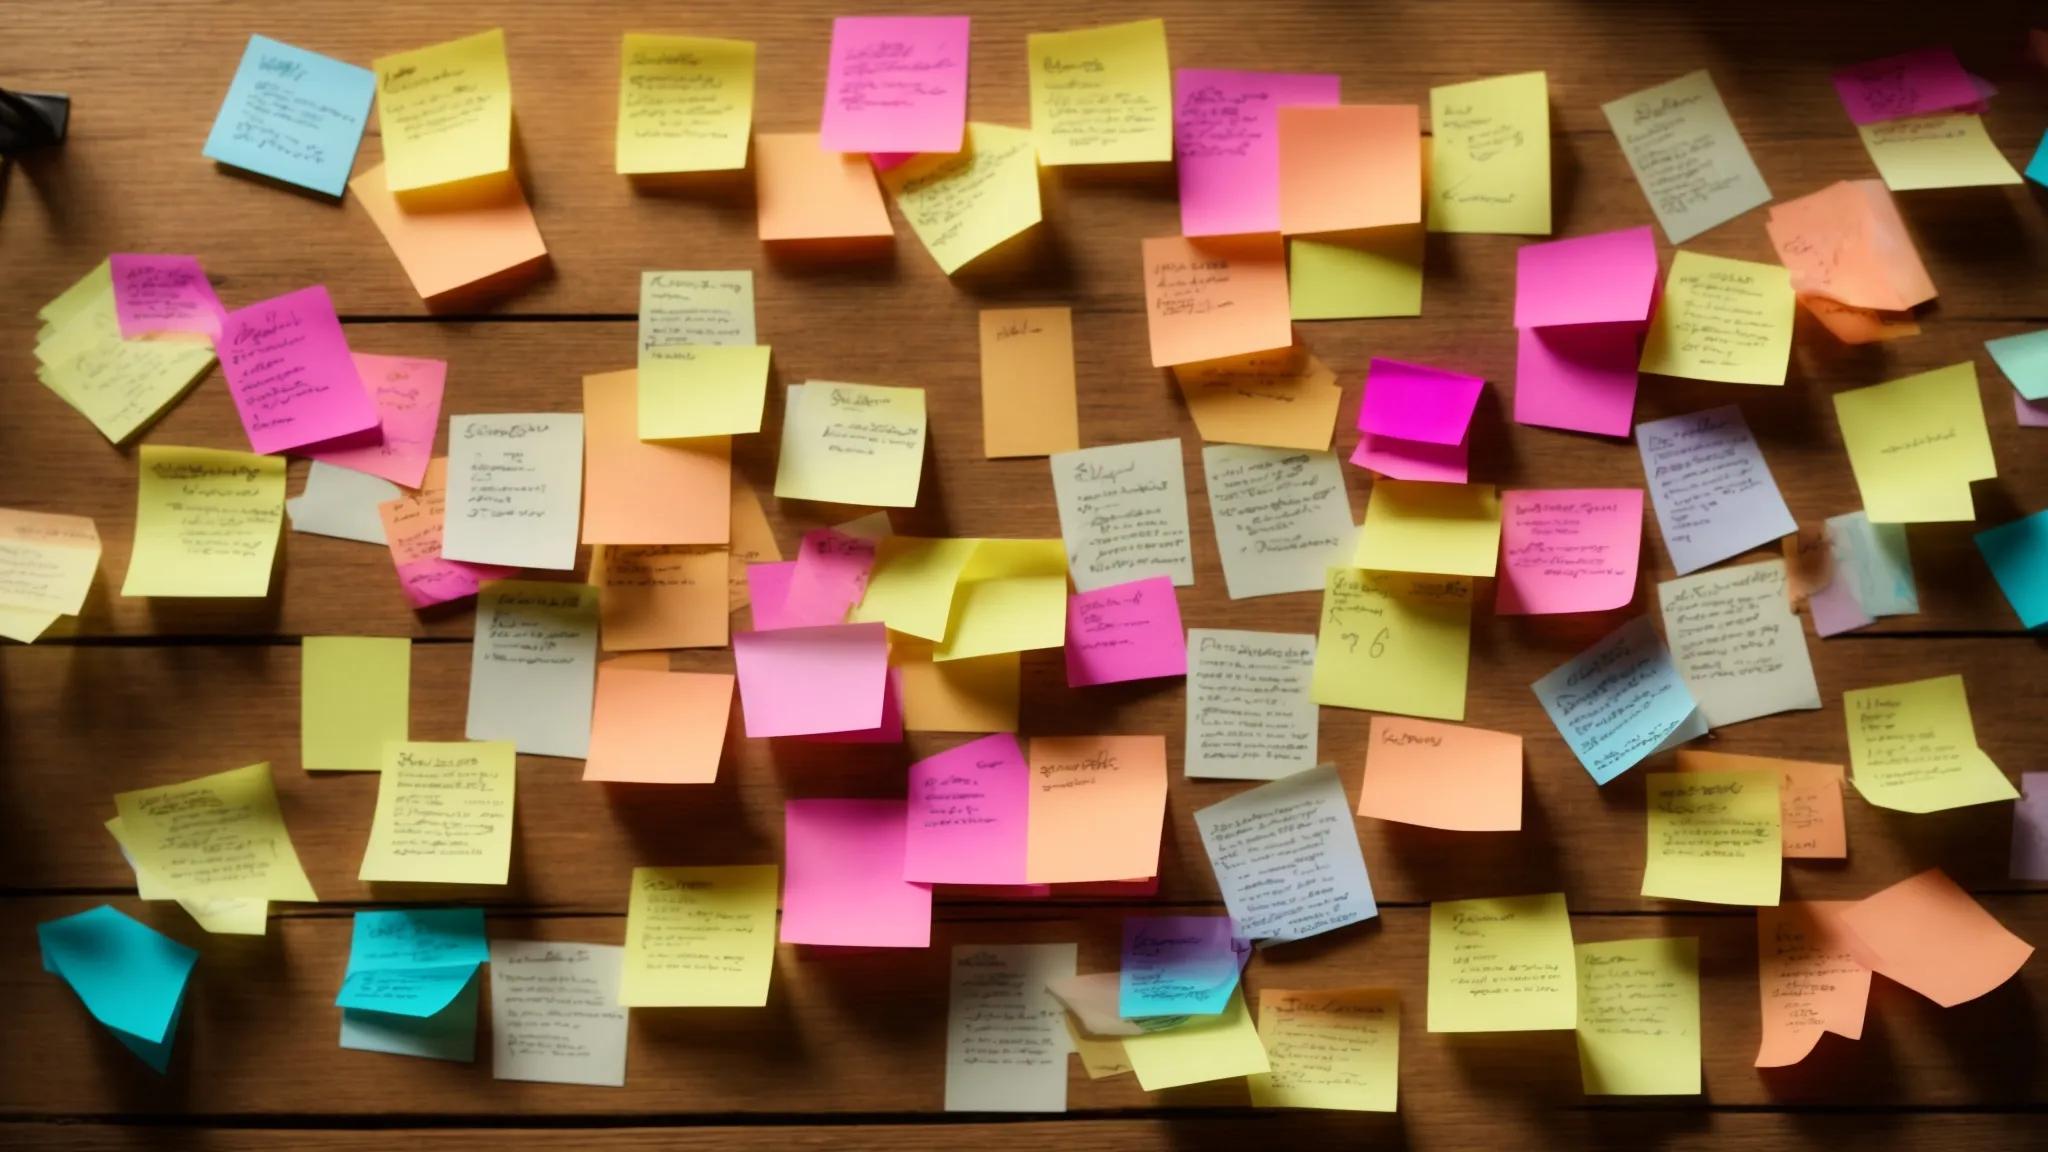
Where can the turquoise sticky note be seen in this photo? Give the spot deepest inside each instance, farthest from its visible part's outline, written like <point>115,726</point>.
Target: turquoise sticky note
<point>449,1034</point>
<point>412,961</point>
<point>2018,556</point>
<point>2037,168</point>
<point>131,977</point>
<point>2023,358</point>
<point>293,115</point>
<point>1879,566</point>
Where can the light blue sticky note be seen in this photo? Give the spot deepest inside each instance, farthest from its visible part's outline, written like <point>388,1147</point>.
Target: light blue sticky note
<point>131,977</point>
<point>293,115</point>
<point>1286,856</point>
<point>2018,556</point>
<point>2037,168</point>
<point>2023,358</point>
<point>1879,567</point>
<point>412,961</point>
<point>1714,494</point>
<point>1620,701</point>
<point>1178,965</point>
<point>449,1034</point>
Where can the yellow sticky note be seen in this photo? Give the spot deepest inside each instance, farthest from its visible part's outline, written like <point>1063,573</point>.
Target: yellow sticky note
<point>1027,382</point>
<point>1101,1056</point>
<point>1721,319</point>
<point>221,915</point>
<point>1337,1048</point>
<point>1639,1017</point>
<point>1948,150</point>
<point>1489,158</point>
<point>445,112</point>
<point>354,697</point>
<point>1714,836</point>
<point>910,587</point>
<point>694,390</point>
<point>217,836</point>
<point>444,813</point>
<point>700,937</point>
<point>1913,748</point>
<point>1353,275</point>
<point>119,385</point>
<point>1203,1049</point>
<point>1011,597</point>
<point>1101,95</point>
<point>206,522</point>
<point>47,561</point>
<point>1281,399</point>
<point>1916,443</point>
<point>1418,526</point>
<point>1502,964</point>
<point>852,444</point>
<point>753,542</point>
<point>25,625</point>
<point>686,103</point>
<point>978,694</point>
<point>1394,642</point>
<point>961,204</point>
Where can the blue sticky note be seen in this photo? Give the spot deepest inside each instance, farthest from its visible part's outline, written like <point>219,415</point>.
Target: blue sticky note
<point>1620,701</point>
<point>1178,965</point>
<point>2023,358</point>
<point>2018,556</point>
<point>2037,168</point>
<point>131,977</point>
<point>293,115</point>
<point>449,1034</point>
<point>1875,560</point>
<point>412,961</point>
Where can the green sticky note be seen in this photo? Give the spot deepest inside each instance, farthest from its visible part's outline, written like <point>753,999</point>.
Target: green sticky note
<point>1356,275</point>
<point>354,694</point>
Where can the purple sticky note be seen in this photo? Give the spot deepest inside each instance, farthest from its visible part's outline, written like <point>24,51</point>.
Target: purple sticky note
<point>1607,278</point>
<point>1177,966</point>
<point>2030,413</point>
<point>896,84</point>
<point>1910,84</point>
<point>289,371</point>
<point>830,577</point>
<point>407,392</point>
<point>1581,377</point>
<point>1417,402</point>
<point>1398,459</point>
<point>1227,145</point>
<point>969,814</point>
<point>842,879</point>
<point>799,681</point>
<point>1714,494</point>
<point>155,293</point>
<point>2030,828</point>
<point>1125,632</point>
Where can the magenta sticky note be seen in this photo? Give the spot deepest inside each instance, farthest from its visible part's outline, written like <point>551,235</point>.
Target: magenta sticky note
<point>889,731</point>
<point>1909,84</point>
<point>435,580</point>
<point>830,577</point>
<point>1125,632</point>
<point>768,592</point>
<point>896,84</point>
<point>800,681</point>
<point>1568,550</point>
<point>154,293</point>
<point>407,392</point>
<point>1417,402</point>
<point>1580,377</point>
<point>1606,278</point>
<point>883,161</point>
<point>1226,144</point>
<point>1398,459</point>
<point>842,876</point>
<point>969,813</point>
<point>2029,413</point>
<point>288,368</point>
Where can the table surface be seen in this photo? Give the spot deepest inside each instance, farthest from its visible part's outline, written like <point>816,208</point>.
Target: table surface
<point>850,1049</point>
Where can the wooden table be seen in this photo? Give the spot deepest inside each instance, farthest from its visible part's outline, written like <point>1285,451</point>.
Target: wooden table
<point>850,1049</point>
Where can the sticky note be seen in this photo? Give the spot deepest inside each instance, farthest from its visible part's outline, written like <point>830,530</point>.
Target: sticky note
<point>660,596</point>
<point>1809,799</point>
<point>1124,513</point>
<point>1916,443</point>
<point>1720,319</point>
<point>1639,1017</point>
<point>1913,748</point>
<point>2029,413</point>
<point>1011,597</point>
<point>1281,399</point>
<point>1713,837</point>
<point>1413,420</point>
<point>341,503</point>
<point>1714,494</point>
<point>555,1013</point>
<point>963,203</point>
<point>911,582</point>
<point>446,112</point>
<point>47,561</point>
<point>1006,1044</point>
<point>796,681</point>
<point>1370,272</point>
<point>843,880</point>
<point>531,668</point>
<point>406,391</point>
<point>444,814</point>
<point>1336,1048</point>
<point>852,444</point>
<point>206,522</point>
<point>620,470</point>
<point>1345,166</point>
<point>970,695</point>
<point>829,576</point>
<point>1282,517</point>
<point>803,191</point>
<point>1908,84</point>
<point>967,814</point>
<point>1097,807</point>
<point>1101,95</point>
<point>654,726</point>
<point>700,391</point>
<point>695,309</point>
<point>353,697</point>
<point>1249,712</point>
<point>1686,154</point>
<point>686,103</point>
<point>1605,278</point>
<point>1124,632</point>
<point>1949,150</point>
<point>1580,377</point>
<point>1568,550</point>
<point>1394,642</point>
<point>447,1035</point>
<point>515,489</point>
<point>1396,459</point>
<point>1287,858</point>
<point>1442,776</point>
<point>1809,980</point>
<point>1490,160</point>
<point>292,115</point>
<point>412,528</point>
<point>129,976</point>
<point>1092,1001</point>
<point>1927,933</point>
<point>2030,829</point>
<point>2037,167</point>
<point>1177,966</point>
<point>896,84</point>
<point>1226,145</point>
<point>1848,243</point>
<point>163,295</point>
<point>288,368</point>
<point>2017,554</point>
<point>1221,1047</point>
<point>2024,360</point>
<point>1873,562</point>
<point>701,937</point>
<point>451,247</point>
<point>1737,643</point>
<point>1215,297</point>
<point>753,541</point>
<point>119,385</point>
<point>1028,406</point>
<point>1414,526</point>
<point>1502,964</point>
<point>1619,701</point>
<point>214,836</point>
<point>411,961</point>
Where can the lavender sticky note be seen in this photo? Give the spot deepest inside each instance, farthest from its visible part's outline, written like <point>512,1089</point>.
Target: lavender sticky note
<point>2030,828</point>
<point>1177,966</point>
<point>1713,492</point>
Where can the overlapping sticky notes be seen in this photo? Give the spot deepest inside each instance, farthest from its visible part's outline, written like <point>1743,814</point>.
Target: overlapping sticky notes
<point>1345,166</point>
<point>686,104</point>
<point>1502,964</point>
<point>1927,933</point>
<point>2024,360</point>
<point>1092,1000</point>
<point>1354,275</point>
<point>555,1013</point>
<point>1282,517</point>
<point>216,836</point>
<point>965,202</point>
<point>411,985</point>
<point>1442,776</point>
<point>649,725</point>
<point>2030,829</point>
<point>852,444</point>
<point>1490,162</point>
<point>1336,1048</point>
<point>1948,150</point>
<point>1214,297</point>
<point>660,596</point>
<point>968,814</point>
<point>1394,642</point>
<point>1220,1047</point>
<point>1871,575</point>
<point>1580,377</point>
<point>753,541</point>
<point>1915,444</point>
<point>2017,554</point>
<point>910,584</point>
<point>1686,154</point>
<point>1913,748</point>
<point>531,667</point>
<point>354,696</point>
<point>413,528</point>
<point>1124,513</point>
<point>1714,494</point>
<point>1287,858</point>
<point>445,112</point>
<point>444,813</point>
<point>515,488</point>
<point>1568,550</point>
<point>1011,597</point>
<point>1101,95</point>
<point>1737,643</point>
<point>163,295</point>
<point>119,385</point>
<point>1853,264</point>
<point>1178,965</point>
<point>970,695</point>
<point>228,915</point>
<point>47,564</point>
<point>804,192</point>
<point>1639,1017</point>
<point>1125,632</point>
<point>1416,526</point>
<point>843,877</point>
<point>1809,979</point>
<point>1098,806</point>
<point>695,310</point>
<point>288,368</point>
<point>342,503</point>
<point>1413,421</point>
<point>1249,712</point>
<point>1281,399</point>
<point>694,476</point>
<point>830,576</point>
<point>896,84</point>
<point>700,937</point>
<point>1605,278</point>
<point>1809,799</point>
<point>801,681</point>
<point>1908,84</point>
<point>1619,701</point>
<point>1027,382</point>
<point>1226,145</point>
<point>206,522</point>
<point>1006,1042</point>
<point>1580,307</point>
<point>1714,837</point>
<point>292,115</point>
<point>1721,319</point>
<point>129,976</point>
<point>450,247</point>
<point>407,392</point>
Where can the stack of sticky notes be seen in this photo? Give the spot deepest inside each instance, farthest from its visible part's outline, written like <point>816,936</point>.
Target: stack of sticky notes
<point>118,383</point>
<point>1918,113</point>
<point>47,564</point>
<point>1581,306</point>
<point>411,985</point>
<point>1916,443</point>
<point>1853,265</point>
<point>131,977</point>
<point>700,372</point>
<point>217,845</point>
<point>1413,422</point>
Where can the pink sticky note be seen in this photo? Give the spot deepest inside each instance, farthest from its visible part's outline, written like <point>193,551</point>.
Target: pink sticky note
<point>1125,632</point>
<point>407,392</point>
<point>1836,609</point>
<point>163,294</point>
<point>1417,402</point>
<point>1579,376</point>
<point>798,681</point>
<point>1607,278</point>
<point>1910,84</point>
<point>436,580</point>
<point>969,809</point>
<point>288,369</point>
<point>883,161</point>
<point>896,84</point>
<point>889,731</point>
<point>768,593</point>
<point>2030,413</point>
<point>842,877</point>
<point>1226,142</point>
<point>1568,550</point>
<point>830,577</point>
<point>1398,459</point>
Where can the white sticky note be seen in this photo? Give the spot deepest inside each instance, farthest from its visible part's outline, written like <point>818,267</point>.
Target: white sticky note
<point>533,668</point>
<point>1124,514</point>
<point>341,502</point>
<point>1006,1037</point>
<point>1282,517</point>
<point>1737,643</point>
<point>1250,716</point>
<point>515,489</point>
<point>555,1013</point>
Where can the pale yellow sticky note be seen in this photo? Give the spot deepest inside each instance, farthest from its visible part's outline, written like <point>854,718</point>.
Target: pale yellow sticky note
<point>852,444</point>
<point>1947,150</point>
<point>445,112</point>
<point>1916,443</point>
<point>700,937</point>
<point>686,103</point>
<point>25,625</point>
<point>354,697</point>
<point>206,522</point>
<point>119,385</point>
<point>444,813</point>
<point>1418,526</point>
<point>1337,1048</point>
<point>1101,1056</point>
<point>1489,159</point>
<point>753,542</point>
<point>1011,597</point>
<point>1721,319</point>
<point>1394,642</point>
<point>47,561</point>
<point>1281,399</point>
<point>694,390</point>
<point>1714,837</point>
<point>214,837</point>
<point>910,587</point>
<point>1101,95</point>
<point>1203,1049</point>
<point>1912,747</point>
<point>1639,1017</point>
<point>1027,382</point>
<point>961,204</point>
<point>1352,275</point>
<point>1502,964</point>
<point>972,695</point>
<point>220,915</point>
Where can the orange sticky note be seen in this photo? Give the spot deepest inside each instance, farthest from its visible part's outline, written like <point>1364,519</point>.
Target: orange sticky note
<point>661,595</point>
<point>641,492</point>
<point>977,694</point>
<point>1847,242</point>
<point>1927,933</point>
<point>654,726</point>
<point>1285,398</point>
<point>1097,807</point>
<point>1215,296</point>
<point>753,542</point>
<point>1027,382</point>
<point>1809,799</point>
<point>1442,776</point>
<point>454,247</point>
<point>1345,166</point>
<point>802,192</point>
<point>1853,325</point>
<point>1808,978</point>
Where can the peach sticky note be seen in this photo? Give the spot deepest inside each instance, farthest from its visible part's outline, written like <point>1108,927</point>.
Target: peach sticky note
<point>1210,298</point>
<point>1848,243</point>
<point>654,726</point>
<point>1098,804</point>
<point>843,879</point>
<point>1927,933</point>
<point>1808,978</point>
<point>973,695</point>
<point>453,247</point>
<point>803,192</point>
<point>1027,382</point>
<point>661,595</point>
<point>1346,166</point>
<point>1442,776</point>
<point>637,492</point>
<point>412,528</point>
<point>1281,399</point>
<point>1809,799</point>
